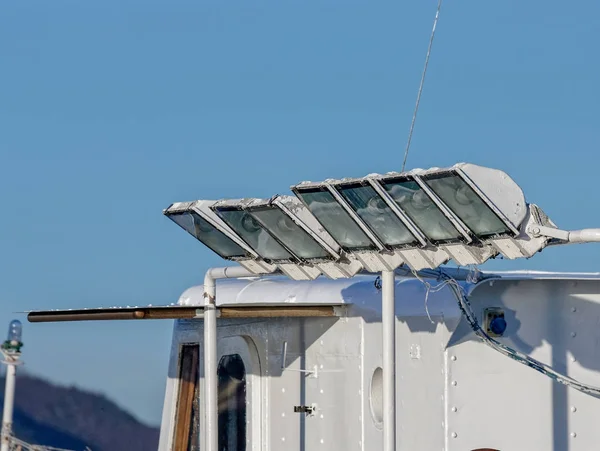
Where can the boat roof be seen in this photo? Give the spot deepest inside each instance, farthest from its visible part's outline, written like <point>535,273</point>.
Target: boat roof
<point>280,290</point>
<point>362,292</point>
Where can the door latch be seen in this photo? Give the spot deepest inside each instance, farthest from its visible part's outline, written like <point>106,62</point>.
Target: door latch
<point>308,410</point>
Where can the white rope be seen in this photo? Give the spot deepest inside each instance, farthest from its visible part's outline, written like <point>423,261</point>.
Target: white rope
<point>414,118</point>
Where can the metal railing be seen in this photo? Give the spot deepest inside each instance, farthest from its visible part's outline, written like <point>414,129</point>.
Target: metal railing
<point>20,445</point>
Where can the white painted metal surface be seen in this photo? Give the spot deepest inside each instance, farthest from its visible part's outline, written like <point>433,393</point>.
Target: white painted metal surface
<point>452,391</point>
<point>9,400</point>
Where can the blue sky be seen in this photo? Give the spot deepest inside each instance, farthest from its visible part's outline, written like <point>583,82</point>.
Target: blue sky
<point>110,111</point>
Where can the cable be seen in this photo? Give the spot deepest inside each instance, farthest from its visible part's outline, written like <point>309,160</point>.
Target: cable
<point>465,307</point>
<point>414,118</point>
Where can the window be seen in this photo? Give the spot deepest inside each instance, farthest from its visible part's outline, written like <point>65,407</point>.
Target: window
<point>187,416</point>
<point>231,375</point>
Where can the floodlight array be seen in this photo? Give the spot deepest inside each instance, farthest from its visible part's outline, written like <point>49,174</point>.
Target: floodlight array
<point>421,218</point>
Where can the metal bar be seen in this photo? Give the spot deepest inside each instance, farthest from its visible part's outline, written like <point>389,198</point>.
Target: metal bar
<point>9,399</point>
<point>388,321</point>
<point>182,313</point>
<point>210,349</point>
<point>277,312</point>
<point>112,314</point>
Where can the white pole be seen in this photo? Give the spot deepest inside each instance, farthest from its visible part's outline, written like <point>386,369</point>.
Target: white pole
<point>9,399</point>
<point>210,364</point>
<point>210,349</point>
<point>388,321</point>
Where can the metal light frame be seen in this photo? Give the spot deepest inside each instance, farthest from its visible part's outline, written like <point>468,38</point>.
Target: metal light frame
<point>335,265</point>
<point>252,261</point>
<point>496,192</point>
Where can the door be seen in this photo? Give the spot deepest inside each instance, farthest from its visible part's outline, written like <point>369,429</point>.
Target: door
<point>239,398</point>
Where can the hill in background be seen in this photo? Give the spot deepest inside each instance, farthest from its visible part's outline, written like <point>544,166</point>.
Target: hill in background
<point>70,418</point>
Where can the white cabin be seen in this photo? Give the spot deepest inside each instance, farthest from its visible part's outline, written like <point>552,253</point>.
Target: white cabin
<point>307,383</point>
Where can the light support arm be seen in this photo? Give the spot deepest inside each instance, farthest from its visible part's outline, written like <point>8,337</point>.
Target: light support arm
<point>572,236</point>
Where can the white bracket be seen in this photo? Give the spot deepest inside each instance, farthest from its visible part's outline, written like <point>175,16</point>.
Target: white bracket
<point>314,373</point>
<point>573,236</point>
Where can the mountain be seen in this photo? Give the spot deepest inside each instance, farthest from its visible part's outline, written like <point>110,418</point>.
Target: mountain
<point>70,418</point>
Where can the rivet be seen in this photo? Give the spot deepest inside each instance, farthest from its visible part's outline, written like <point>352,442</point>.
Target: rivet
<point>321,415</point>
<point>321,367</point>
<point>283,439</point>
<point>573,359</point>
<point>283,414</point>
<point>454,383</point>
<point>573,334</point>
<point>454,435</point>
<point>574,434</point>
<point>283,390</point>
<point>321,391</point>
<point>321,342</point>
<point>573,309</point>
<point>360,443</point>
<point>322,441</point>
<point>453,358</point>
<point>573,409</point>
<point>454,409</point>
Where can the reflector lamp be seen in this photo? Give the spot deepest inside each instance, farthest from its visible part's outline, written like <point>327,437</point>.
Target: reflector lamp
<point>200,222</point>
<point>282,224</point>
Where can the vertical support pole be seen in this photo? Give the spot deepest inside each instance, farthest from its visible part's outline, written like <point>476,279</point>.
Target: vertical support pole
<point>388,321</point>
<point>9,399</point>
<point>210,364</point>
<point>211,387</point>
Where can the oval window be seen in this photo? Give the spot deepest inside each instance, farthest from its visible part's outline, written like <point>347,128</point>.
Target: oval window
<point>376,396</point>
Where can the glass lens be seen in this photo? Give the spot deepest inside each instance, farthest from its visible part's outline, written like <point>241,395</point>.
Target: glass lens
<point>289,233</point>
<point>467,205</point>
<point>204,232</point>
<point>420,208</point>
<point>252,233</point>
<point>335,219</point>
<point>377,215</point>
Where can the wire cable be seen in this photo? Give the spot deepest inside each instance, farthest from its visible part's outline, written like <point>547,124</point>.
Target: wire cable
<point>414,118</point>
<point>465,307</point>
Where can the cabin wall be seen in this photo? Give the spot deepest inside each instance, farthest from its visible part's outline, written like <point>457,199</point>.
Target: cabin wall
<point>330,346</point>
<point>505,405</point>
<point>453,392</point>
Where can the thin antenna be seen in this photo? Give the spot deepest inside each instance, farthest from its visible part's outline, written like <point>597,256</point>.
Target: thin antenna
<point>414,118</point>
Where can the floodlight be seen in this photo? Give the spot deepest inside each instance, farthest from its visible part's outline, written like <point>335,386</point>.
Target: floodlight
<point>197,219</point>
<point>377,215</point>
<point>421,218</point>
<point>336,219</point>
<point>282,231</point>
<point>367,225</point>
<point>421,209</point>
<point>467,205</point>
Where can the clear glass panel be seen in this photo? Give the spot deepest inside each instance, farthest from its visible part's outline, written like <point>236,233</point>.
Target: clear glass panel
<point>289,233</point>
<point>252,233</point>
<point>335,219</point>
<point>208,235</point>
<point>231,398</point>
<point>467,205</point>
<point>420,208</point>
<point>377,215</point>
